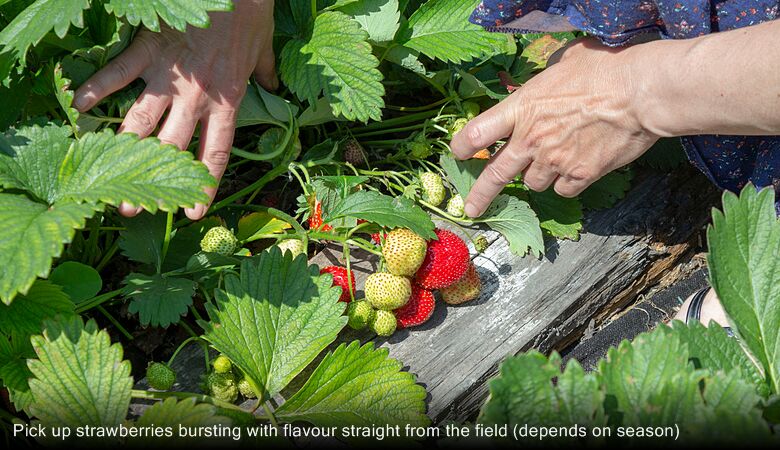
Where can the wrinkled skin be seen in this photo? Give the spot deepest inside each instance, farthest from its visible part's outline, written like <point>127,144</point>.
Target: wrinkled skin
<point>199,77</point>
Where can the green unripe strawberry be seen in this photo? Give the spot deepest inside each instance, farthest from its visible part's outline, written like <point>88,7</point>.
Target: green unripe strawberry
<point>160,376</point>
<point>246,389</point>
<point>359,314</point>
<point>481,243</point>
<point>383,324</point>
<point>222,364</point>
<point>455,206</point>
<point>471,109</point>
<point>294,246</point>
<point>457,125</point>
<point>403,251</point>
<point>219,240</point>
<point>432,188</point>
<point>222,386</point>
<point>386,291</point>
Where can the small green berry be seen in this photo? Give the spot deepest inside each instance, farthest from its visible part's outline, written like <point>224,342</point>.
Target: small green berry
<point>455,206</point>
<point>471,109</point>
<point>222,386</point>
<point>458,125</point>
<point>383,323</point>
<point>294,246</point>
<point>246,389</point>
<point>432,188</point>
<point>481,243</point>
<point>219,240</point>
<point>160,376</point>
<point>360,314</point>
<point>222,364</point>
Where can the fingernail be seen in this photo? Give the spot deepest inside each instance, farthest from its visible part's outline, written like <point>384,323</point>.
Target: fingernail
<point>471,210</point>
<point>79,103</point>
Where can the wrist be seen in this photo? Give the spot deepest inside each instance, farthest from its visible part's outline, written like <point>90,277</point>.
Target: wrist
<point>666,98</point>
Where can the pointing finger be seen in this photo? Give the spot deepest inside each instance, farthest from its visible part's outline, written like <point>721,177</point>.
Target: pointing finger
<point>499,171</point>
<point>484,130</point>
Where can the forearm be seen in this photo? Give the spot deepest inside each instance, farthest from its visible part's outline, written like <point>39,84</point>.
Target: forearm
<point>723,83</point>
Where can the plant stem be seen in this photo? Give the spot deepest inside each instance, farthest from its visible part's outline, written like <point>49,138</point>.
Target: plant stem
<point>97,301</point>
<point>270,414</point>
<point>388,131</point>
<point>167,239</point>
<point>107,257</point>
<point>115,322</point>
<point>181,346</point>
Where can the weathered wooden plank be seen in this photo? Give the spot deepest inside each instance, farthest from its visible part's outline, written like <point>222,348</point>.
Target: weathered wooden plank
<point>530,303</point>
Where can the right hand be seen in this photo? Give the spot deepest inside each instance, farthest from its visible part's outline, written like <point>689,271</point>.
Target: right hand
<point>199,77</point>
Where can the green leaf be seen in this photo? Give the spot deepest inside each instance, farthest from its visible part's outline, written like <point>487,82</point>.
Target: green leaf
<point>462,174</point>
<point>337,61</point>
<point>525,393</point>
<point>142,239</point>
<point>65,96</point>
<point>380,18</point>
<point>440,30</point>
<point>116,168</point>
<point>176,13</point>
<point>607,190</point>
<point>516,221</point>
<point>186,412</point>
<point>79,377</point>
<point>260,107</point>
<point>560,216</point>
<point>35,22</point>
<point>358,386</point>
<point>275,319</point>
<point>14,373</point>
<point>159,300</point>
<point>744,244</point>
<point>258,224</point>
<point>25,316</point>
<point>33,235</point>
<point>103,167</point>
<point>634,372</point>
<point>79,281</point>
<point>712,349</point>
<point>385,211</point>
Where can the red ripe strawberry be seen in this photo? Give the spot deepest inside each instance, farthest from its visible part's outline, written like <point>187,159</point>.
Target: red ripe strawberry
<point>315,220</point>
<point>446,260</point>
<point>340,280</point>
<point>417,310</point>
<point>376,238</point>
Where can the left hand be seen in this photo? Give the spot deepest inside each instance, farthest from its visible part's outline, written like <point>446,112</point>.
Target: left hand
<point>567,127</point>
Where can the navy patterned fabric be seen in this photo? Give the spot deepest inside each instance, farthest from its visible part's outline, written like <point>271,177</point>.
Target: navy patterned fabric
<point>729,161</point>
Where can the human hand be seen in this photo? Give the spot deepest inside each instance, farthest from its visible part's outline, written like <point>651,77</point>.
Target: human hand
<point>567,127</point>
<point>199,76</point>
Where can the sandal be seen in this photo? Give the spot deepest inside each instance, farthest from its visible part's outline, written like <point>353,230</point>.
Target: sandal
<point>693,313</point>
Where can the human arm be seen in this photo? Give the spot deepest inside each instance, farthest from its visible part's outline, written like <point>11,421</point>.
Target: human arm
<point>598,108</point>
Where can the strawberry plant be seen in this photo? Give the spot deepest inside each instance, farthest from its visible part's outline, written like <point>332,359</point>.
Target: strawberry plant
<point>352,150</point>
<point>714,388</point>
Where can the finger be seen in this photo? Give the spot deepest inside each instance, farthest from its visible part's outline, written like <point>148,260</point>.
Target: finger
<point>538,177</point>
<point>126,210</point>
<point>180,124</point>
<point>570,187</point>
<point>484,130</point>
<point>117,74</point>
<point>499,171</point>
<point>265,71</point>
<point>216,141</point>
<point>143,116</point>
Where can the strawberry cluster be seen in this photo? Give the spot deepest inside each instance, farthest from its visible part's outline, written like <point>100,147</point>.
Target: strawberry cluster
<point>403,295</point>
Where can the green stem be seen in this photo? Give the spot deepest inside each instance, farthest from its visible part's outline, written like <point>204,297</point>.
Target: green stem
<point>181,346</point>
<point>420,108</point>
<point>396,121</point>
<point>201,398</point>
<point>108,256</point>
<point>388,131</point>
<point>96,301</point>
<point>188,328</point>
<point>167,239</point>
<point>115,322</point>
<point>270,415</point>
